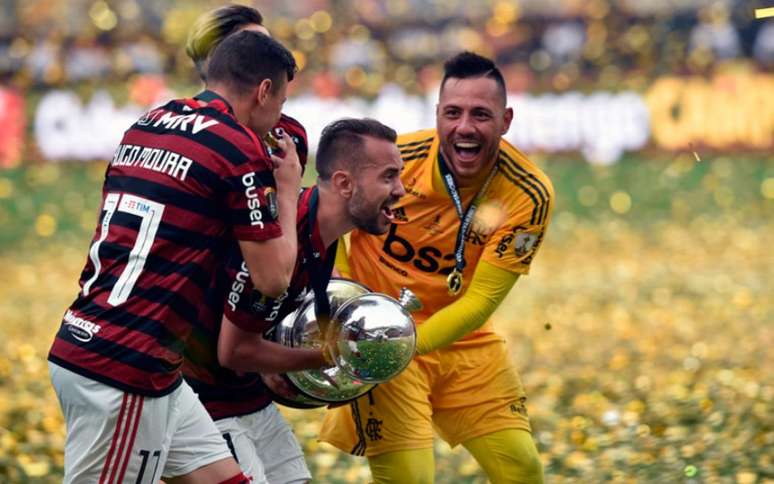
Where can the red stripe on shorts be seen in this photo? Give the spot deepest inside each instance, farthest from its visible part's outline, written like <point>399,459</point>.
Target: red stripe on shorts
<point>130,445</point>
<point>122,445</point>
<point>114,441</point>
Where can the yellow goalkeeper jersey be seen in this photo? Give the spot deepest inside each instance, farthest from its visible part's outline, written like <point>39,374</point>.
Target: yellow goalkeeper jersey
<point>418,250</point>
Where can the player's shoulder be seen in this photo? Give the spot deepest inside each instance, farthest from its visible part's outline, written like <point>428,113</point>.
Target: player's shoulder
<point>517,169</point>
<point>291,124</point>
<point>228,131</point>
<point>416,138</point>
<point>416,145</point>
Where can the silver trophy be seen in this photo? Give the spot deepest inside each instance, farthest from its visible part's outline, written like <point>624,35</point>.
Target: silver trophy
<point>376,338</point>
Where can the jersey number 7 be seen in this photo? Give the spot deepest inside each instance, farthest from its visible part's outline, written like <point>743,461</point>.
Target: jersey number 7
<point>150,212</point>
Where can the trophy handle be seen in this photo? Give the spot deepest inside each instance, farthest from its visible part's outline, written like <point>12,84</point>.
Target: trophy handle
<point>409,300</point>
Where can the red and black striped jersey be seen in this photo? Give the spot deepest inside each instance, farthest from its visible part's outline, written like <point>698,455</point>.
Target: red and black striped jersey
<point>298,134</point>
<point>224,392</point>
<point>185,182</point>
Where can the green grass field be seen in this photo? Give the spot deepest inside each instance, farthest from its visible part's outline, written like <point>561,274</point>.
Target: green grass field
<point>643,334</point>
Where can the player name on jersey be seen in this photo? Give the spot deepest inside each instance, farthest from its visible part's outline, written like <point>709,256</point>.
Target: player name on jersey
<point>156,159</point>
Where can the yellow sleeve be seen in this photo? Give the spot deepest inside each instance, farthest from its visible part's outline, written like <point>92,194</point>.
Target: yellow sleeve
<point>488,288</point>
<point>342,261</point>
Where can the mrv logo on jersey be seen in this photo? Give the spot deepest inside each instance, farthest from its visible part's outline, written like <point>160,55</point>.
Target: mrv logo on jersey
<point>81,329</point>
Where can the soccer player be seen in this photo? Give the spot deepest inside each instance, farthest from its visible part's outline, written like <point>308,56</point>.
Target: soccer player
<point>187,179</point>
<point>210,29</point>
<point>474,215</point>
<point>358,167</point>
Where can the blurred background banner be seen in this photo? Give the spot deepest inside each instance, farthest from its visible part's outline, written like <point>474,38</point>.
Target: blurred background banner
<point>597,78</point>
<point>644,332</point>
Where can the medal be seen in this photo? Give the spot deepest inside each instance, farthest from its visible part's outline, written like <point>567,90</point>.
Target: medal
<point>454,282</point>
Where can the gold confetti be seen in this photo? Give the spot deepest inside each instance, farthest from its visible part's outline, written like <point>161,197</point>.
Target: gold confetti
<point>620,202</point>
<point>45,225</point>
<point>764,12</point>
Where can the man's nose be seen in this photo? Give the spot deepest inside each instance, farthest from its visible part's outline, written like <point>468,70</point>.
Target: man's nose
<point>398,190</point>
<point>465,125</point>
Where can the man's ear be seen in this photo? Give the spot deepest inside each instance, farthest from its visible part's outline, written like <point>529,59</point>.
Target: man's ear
<point>507,118</point>
<point>343,183</point>
<point>263,91</point>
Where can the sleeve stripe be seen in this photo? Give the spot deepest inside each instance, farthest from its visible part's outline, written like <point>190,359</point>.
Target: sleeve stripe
<point>409,150</point>
<point>525,173</point>
<point>531,180</point>
<point>416,143</point>
<point>537,210</point>
<point>415,156</point>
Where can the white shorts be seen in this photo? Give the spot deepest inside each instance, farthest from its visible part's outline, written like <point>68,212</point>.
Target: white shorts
<point>116,437</point>
<point>265,447</point>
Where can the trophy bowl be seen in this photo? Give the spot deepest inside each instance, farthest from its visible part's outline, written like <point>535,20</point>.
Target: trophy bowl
<point>376,338</point>
<point>314,388</point>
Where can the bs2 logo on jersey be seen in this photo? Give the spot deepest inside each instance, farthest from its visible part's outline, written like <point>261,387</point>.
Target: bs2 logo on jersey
<point>426,259</point>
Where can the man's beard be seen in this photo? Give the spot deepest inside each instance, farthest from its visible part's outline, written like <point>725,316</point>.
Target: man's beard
<point>364,217</point>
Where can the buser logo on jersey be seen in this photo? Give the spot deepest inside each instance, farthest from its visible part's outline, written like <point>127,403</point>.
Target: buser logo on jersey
<point>238,286</point>
<point>253,202</point>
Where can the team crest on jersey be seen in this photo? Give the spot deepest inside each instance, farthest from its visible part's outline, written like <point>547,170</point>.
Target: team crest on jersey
<point>271,202</point>
<point>525,242</point>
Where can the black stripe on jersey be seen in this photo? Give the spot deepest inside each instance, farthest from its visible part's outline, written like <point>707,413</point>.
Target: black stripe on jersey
<point>360,445</point>
<point>532,180</point>
<point>262,178</point>
<point>415,143</point>
<point>418,155</point>
<point>154,294</point>
<point>409,151</point>
<point>125,319</point>
<point>162,194</point>
<point>178,107</point>
<point>207,139</point>
<point>187,311</point>
<point>117,352</point>
<point>518,181</point>
<point>154,264</point>
<point>169,232</point>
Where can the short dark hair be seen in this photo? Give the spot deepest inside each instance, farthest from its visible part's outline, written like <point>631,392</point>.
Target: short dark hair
<point>342,142</point>
<point>246,58</point>
<point>212,27</point>
<point>466,65</point>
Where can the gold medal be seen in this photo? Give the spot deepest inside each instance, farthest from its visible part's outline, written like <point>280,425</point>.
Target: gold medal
<point>271,141</point>
<point>454,282</point>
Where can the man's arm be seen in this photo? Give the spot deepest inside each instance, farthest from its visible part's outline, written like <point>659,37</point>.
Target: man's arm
<point>246,351</point>
<point>271,262</point>
<point>488,288</point>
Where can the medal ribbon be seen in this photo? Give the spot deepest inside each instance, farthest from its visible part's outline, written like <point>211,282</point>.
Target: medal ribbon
<point>465,216</point>
<point>319,274</point>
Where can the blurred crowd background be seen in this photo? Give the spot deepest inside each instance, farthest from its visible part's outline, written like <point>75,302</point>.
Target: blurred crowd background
<point>354,47</point>
<point>644,332</point>
<point>669,74</point>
